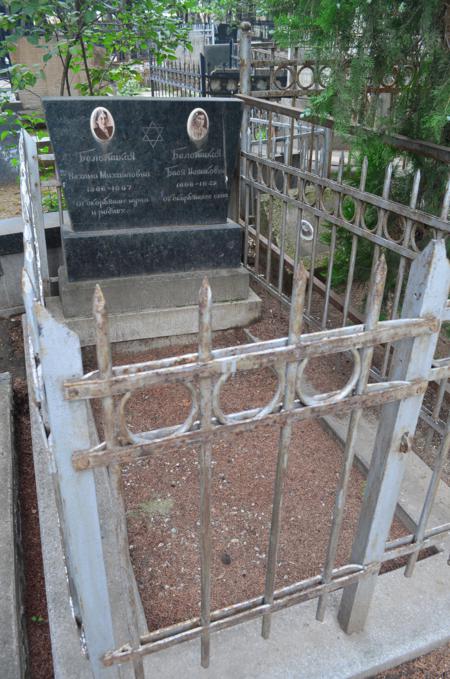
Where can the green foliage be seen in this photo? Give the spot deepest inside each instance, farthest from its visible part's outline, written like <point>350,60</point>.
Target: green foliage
<point>367,47</point>
<point>231,11</point>
<point>12,122</point>
<point>75,31</point>
<point>87,36</point>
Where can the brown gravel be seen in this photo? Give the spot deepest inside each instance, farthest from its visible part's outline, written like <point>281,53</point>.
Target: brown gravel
<point>35,603</point>
<point>162,492</point>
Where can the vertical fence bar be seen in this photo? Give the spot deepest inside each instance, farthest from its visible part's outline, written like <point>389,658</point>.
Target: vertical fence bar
<point>203,75</point>
<point>205,354</point>
<point>332,248</point>
<point>283,225</point>
<point>351,268</point>
<point>295,330</point>
<point>419,533</point>
<point>382,212</point>
<point>374,301</point>
<point>316,226</point>
<point>436,410</point>
<point>244,88</point>
<point>426,294</point>
<point>32,160</point>
<point>402,267</point>
<point>445,204</point>
<point>104,361</point>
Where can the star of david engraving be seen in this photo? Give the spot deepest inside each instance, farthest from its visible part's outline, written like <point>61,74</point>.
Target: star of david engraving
<point>153,134</point>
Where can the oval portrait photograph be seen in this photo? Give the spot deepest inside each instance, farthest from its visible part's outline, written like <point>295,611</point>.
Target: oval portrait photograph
<point>102,124</point>
<point>197,124</point>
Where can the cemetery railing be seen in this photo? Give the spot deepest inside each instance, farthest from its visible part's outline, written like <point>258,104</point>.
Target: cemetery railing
<point>62,392</point>
<point>291,211</point>
<point>177,79</point>
<point>204,374</point>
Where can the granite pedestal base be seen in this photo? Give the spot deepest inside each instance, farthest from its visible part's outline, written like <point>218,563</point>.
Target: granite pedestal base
<point>136,251</point>
<point>159,291</point>
<point>156,325</point>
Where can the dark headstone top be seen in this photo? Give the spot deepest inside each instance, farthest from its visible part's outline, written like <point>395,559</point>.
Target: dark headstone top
<point>128,162</point>
<point>217,56</point>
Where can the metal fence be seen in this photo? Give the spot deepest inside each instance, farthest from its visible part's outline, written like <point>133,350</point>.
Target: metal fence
<point>63,390</point>
<point>177,79</point>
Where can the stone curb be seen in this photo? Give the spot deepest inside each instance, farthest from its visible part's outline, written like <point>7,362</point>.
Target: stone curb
<point>415,481</point>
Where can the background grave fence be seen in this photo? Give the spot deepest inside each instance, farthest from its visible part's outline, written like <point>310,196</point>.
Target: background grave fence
<point>291,211</point>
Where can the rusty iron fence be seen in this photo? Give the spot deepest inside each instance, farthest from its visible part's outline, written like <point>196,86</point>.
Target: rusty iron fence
<point>291,211</point>
<point>204,374</point>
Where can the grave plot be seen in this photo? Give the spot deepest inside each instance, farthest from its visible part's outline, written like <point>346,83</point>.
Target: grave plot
<point>264,509</point>
<point>162,494</point>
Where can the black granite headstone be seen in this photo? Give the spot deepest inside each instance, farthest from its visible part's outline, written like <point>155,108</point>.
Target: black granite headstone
<point>136,162</point>
<point>147,183</point>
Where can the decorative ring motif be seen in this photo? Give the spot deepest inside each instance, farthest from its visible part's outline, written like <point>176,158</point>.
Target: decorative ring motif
<point>306,230</point>
<point>281,72</point>
<point>310,78</point>
<point>398,221</point>
<point>329,396</point>
<point>126,436</point>
<point>254,414</point>
<point>422,230</point>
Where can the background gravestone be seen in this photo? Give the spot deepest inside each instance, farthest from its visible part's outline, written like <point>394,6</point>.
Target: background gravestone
<point>147,183</point>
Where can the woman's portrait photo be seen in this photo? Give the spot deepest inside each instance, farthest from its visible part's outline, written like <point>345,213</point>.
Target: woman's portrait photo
<point>197,124</point>
<point>102,124</point>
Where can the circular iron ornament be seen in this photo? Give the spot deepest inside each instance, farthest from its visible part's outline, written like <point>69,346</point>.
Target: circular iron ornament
<point>324,76</point>
<point>369,212</point>
<point>311,193</point>
<point>391,222</point>
<point>247,415</point>
<point>421,236</point>
<point>282,73</point>
<point>276,178</point>
<point>329,396</point>
<point>126,436</point>
<point>259,173</point>
<point>253,170</point>
<point>348,204</point>
<point>305,78</point>
<point>329,200</point>
<point>306,230</point>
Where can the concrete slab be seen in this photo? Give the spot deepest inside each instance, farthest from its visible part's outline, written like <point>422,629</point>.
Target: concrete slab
<point>69,660</point>
<point>12,632</point>
<point>409,617</point>
<point>157,291</point>
<point>415,481</point>
<point>153,323</point>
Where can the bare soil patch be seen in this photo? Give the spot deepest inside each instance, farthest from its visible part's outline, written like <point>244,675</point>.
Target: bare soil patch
<point>10,201</point>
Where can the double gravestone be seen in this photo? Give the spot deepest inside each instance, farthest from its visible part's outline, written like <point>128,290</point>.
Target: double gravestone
<point>147,185</point>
